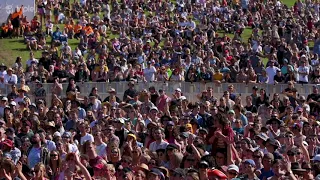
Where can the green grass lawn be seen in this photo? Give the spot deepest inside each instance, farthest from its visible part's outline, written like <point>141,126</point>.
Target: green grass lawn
<point>12,48</point>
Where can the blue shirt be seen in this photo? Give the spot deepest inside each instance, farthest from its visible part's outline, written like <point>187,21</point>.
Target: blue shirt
<point>82,113</point>
<point>199,119</point>
<point>70,124</point>
<point>34,157</point>
<point>56,35</point>
<point>244,119</point>
<point>266,174</point>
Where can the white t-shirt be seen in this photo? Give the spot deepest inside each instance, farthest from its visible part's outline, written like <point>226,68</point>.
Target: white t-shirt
<point>73,148</point>
<point>149,73</point>
<point>17,100</point>
<point>2,73</point>
<point>271,72</point>
<point>154,146</point>
<point>301,77</point>
<point>50,145</point>
<point>101,150</point>
<point>31,61</point>
<point>13,79</point>
<point>87,137</point>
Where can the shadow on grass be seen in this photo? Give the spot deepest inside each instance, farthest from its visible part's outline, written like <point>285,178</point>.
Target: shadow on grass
<point>16,40</point>
<point>73,43</point>
<point>21,49</point>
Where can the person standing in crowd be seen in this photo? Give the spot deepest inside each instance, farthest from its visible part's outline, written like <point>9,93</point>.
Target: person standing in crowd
<point>194,90</point>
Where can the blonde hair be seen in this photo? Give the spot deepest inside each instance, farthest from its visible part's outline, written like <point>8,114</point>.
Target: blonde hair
<point>40,167</point>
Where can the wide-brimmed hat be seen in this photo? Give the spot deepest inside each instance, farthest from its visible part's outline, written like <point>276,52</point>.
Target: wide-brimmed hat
<point>295,166</point>
<point>142,167</point>
<point>274,120</point>
<point>273,142</point>
<point>23,89</point>
<point>111,90</point>
<point>3,66</point>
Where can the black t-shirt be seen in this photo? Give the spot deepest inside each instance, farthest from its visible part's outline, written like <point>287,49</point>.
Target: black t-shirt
<point>251,108</point>
<point>60,74</point>
<point>45,62</point>
<point>120,134</point>
<point>154,98</point>
<point>278,79</point>
<point>313,96</point>
<point>129,92</point>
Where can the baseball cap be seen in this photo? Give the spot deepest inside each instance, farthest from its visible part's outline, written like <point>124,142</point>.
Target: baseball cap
<point>12,103</point>
<point>172,146</point>
<point>33,105</point>
<point>10,129</point>
<point>170,123</point>
<point>316,158</point>
<point>203,164</point>
<point>157,172</point>
<point>233,167</point>
<point>184,134</point>
<point>231,112</point>
<point>121,120</point>
<point>8,142</point>
<point>178,89</point>
<point>250,161</point>
<point>66,134</point>
<point>263,136</point>
<point>154,108</point>
<point>57,134</point>
<point>4,98</point>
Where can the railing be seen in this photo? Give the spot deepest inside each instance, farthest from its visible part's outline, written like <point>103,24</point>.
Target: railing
<point>190,90</point>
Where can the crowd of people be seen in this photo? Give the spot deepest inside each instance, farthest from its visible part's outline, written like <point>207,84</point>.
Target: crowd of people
<point>150,134</point>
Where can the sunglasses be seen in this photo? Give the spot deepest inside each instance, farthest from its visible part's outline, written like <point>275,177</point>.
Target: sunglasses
<point>203,166</point>
<point>53,155</point>
<point>232,173</point>
<point>176,175</point>
<point>114,151</point>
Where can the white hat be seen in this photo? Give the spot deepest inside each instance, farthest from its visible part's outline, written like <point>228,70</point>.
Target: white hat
<point>316,158</point>
<point>178,89</point>
<point>154,108</point>
<point>4,98</point>
<point>183,98</point>
<point>56,134</point>
<point>233,167</point>
<point>12,103</point>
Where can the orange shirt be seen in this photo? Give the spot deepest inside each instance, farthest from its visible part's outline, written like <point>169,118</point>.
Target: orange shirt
<point>17,14</point>
<point>88,30</point>
<point>5,28</point>
<point>68,26</point>
<point>77,28</point>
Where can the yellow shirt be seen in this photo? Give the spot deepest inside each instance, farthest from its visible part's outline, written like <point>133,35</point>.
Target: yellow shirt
<point>98,68</point>
<point>218,76</point>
